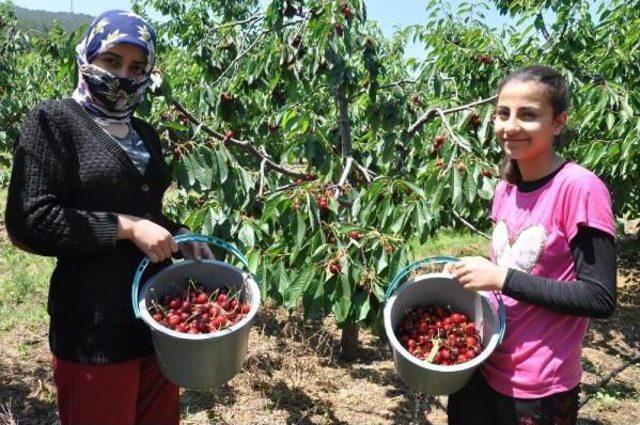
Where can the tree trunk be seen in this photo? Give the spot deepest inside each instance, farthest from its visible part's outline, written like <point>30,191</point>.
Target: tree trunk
<point>343,119</point>
<point>349,342</point>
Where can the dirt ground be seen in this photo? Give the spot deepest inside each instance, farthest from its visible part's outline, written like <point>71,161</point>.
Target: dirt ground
<point>292,374</point>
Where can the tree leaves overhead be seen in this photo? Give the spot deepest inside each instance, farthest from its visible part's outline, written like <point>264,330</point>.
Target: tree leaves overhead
<point>273,74</point>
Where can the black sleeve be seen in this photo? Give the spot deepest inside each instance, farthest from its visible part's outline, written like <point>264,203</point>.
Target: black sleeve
<point>593,294</point>
<point>37,215</point>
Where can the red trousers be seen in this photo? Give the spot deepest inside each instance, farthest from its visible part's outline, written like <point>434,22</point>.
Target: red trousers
<point>128,393</point>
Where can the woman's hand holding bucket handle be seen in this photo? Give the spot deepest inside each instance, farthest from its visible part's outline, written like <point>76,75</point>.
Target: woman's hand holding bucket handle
<point>153,240</point>
<point>477,273</point>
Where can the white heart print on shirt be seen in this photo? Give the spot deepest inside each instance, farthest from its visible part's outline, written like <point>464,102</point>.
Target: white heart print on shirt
<point>524,252</point>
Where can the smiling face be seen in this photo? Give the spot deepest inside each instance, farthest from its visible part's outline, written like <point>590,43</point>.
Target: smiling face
<point>123,60</point>
<point>525,122</point>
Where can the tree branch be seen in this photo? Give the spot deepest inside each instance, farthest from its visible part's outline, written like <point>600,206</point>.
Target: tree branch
<point>543,28</point>
<point>8,40</point>
<point>445,121</point>
<point>343,120</point>
<point>433,111</point>
<point>253,18</point>
<point>365,172</point>
<point>240,143</point>
<point>604,381</point>
<point>237,58</point>
<point>262,164</point>
<point>384,86</point>
<point>253,44</point>
<point>345,173</point>
<point>469,225</point>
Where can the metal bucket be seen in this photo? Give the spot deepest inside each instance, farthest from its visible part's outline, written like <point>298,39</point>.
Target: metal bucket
<point>202,360</point>
<point>439,289</point>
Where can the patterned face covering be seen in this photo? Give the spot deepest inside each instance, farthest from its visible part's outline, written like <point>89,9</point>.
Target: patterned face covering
<point>108,97</point>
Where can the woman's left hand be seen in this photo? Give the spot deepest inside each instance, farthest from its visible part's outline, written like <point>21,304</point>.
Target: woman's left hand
<point>194,250</point>
<point>478,273</point>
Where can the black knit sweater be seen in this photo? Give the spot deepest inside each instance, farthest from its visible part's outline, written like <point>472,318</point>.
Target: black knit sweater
<point>69,181</point>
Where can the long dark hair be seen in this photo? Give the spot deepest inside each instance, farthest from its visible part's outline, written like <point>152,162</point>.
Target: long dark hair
<point>559,95</point>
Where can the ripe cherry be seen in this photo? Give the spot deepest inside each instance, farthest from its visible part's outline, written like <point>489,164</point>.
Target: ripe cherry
<point>174,320</point>
<point>323,204</point>
<point>355,235</point>
<point>475,120</point>
<point>193,311</point>
<point>245,308</point>
<point>222,299</point>
<point>486,59</point>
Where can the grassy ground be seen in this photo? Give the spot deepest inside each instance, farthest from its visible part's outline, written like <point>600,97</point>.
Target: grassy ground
<point>291,374</point>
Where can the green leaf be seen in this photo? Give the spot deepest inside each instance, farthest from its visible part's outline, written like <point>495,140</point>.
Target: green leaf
<point>296,288</point>
<point>611,120</point>
<point>254,261</point>
<point>246,235</point>
<point>283,279</point>
<point>312,298</point>
<point>300,228</point>
<point>289,120</point>
<point>486,192</point>
<point>471,187</point>
<point>383,261</point>
<point>223,170</point>
<point>362,306</point>
<point>341,299</point>
<point>457,187</point>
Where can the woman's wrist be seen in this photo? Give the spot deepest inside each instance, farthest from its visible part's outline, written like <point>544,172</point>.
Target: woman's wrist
<point>503,273</point>
<point>125,226</point>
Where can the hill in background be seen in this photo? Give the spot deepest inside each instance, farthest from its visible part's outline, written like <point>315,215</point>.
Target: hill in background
<point>42,20</point>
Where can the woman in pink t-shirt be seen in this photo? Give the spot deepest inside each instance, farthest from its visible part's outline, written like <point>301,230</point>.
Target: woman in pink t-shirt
<point>552,256</point>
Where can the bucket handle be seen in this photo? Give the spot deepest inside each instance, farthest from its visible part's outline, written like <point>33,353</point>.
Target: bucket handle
<point>443,259</point>
<point>189,237</point>
<point>440,259</point>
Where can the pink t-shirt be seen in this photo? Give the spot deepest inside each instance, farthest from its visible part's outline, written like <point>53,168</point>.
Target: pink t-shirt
<point>541,351</point>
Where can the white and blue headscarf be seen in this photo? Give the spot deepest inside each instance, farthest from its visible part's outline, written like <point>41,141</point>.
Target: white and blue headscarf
<point>107,97</point>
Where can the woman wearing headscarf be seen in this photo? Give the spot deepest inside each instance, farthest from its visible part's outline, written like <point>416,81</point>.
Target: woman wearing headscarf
<point>87,184</point>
